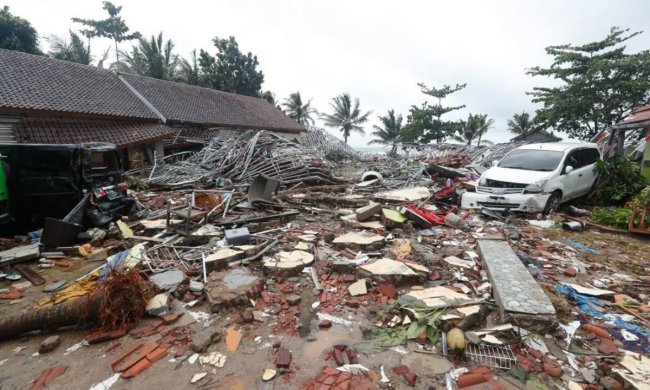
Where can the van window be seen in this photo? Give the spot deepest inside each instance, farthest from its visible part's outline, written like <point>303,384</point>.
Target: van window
<point>532,160</point>
<point>590,156</point>
<point>103,162</point>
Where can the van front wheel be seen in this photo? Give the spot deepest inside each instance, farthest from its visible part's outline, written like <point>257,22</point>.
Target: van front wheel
<point>552,204</point>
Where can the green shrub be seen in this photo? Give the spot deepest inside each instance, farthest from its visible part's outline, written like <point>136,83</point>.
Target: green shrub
<point>620,181</point>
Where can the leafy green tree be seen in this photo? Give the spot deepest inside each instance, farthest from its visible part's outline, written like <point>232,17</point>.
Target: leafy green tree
<point>231,70</point>
<point>598,84</point>
<point>189,72</point>
<point>113,27</point>
<point>17,33</point>
<point>299,111</point>
<point>268,96</point>
<point>474,128</point>
<point>425,124</point>
<point>521,124</point>
<point>346,115</point>
<point>390,132</point>
<point>74,50</point>
<point>151,58</point>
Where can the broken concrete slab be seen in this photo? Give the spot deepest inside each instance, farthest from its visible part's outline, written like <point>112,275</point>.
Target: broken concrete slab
<point>220,258</point>
<point>359,239</point>
<point>158,305</point>
<point>288,263</point>
<point>232,288</point>
<point>392,218</point>
<point>385,266</point>
<point>366,212</point>
<point>434,297</point>
<point>49,344</point>
<point>168,279</point>
<point>514,289</point>
<point>203,339</point>
<point>423,364</point>
<point>404,195</point>
<point>54,286</point>
<point>358,288</point>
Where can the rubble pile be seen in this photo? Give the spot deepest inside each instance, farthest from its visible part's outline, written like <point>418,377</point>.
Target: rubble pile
<point>328,146</point>
<point>377,283</point>
<point>243,158</point>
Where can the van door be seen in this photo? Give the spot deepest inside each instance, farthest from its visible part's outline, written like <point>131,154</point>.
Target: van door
<point>587,173</point>
<point>571,180</point>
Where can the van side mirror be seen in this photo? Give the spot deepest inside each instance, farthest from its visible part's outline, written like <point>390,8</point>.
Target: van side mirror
<point>568,169</point>
<point>495,163</point>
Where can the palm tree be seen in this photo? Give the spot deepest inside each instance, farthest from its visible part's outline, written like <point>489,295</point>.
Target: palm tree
<point>151,58</point>
<point>347,117</point>
<point>474,127</point>
<point>521,123</point>
<point>390,134</point>
<point>295,109</point>
<point>189,71</point>
<point>74,51</point>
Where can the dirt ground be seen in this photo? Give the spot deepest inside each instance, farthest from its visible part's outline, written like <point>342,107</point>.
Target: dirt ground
<point>20,363</point>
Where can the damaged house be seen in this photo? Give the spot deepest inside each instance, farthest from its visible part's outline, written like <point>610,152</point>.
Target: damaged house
<point>49,101</point>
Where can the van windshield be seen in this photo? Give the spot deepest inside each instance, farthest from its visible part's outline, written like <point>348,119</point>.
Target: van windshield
<point>532,160</point>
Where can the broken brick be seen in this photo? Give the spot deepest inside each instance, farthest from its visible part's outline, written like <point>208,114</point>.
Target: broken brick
<point>401,369</point>
<point>352,356</point>
<point>325,324</point>
<point>410,378</point>
<point>388,291</point>
<point>283,358</point>
<point>337,354</point>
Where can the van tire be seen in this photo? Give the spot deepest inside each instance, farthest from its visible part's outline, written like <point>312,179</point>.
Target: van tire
<point>553,203</point>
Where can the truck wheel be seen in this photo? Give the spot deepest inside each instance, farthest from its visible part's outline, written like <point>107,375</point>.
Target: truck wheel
<point>552,204</point>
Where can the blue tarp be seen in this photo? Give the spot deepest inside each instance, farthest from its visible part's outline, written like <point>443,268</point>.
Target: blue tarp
<point>584,304</point>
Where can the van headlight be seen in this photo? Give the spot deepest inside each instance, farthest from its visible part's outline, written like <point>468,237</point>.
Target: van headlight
<point>536,187</point>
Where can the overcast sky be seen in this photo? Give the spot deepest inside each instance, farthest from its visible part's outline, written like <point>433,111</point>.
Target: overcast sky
<point>376,50</point>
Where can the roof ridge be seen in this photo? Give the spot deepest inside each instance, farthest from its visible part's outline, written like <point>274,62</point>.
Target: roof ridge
<point>46,58</point>
<point>191,86</point>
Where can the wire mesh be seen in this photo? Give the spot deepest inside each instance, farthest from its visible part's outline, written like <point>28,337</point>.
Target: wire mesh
<point>497,356</point>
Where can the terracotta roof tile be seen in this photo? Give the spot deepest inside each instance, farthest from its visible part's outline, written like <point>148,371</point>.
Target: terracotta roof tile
<point>35,83</point>
<point>190,104</point>
<point>72,131</point>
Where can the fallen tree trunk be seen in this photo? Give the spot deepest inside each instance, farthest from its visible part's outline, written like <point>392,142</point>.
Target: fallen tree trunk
<point>74,312</point>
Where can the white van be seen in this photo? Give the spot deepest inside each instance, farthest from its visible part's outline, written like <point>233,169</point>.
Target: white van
<point>537,177</point>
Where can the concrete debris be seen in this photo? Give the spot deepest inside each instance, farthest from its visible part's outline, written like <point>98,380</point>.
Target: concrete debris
<point>319,275</point>
<point>358,288</point>
<point>215,359</point>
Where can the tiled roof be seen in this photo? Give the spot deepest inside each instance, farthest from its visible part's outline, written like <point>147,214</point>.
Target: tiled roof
<point>36,83</point>
<point>544,133</point>
<point>189,104</point>
<point>72,131</point>
<point>637,115</point>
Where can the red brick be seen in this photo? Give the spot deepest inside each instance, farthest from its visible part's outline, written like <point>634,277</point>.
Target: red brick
<point>283,358</point>
<point>410,378</point>
<point>553,370</point>
<point>388,291</point>
<point>325,324</point>
<point>329,370</point>
<point>401,369</point>
<point>571,272</point>
<point>329,380</point>
<point>338,357</point>
<point>352,356</point>
<point>607,347</point>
